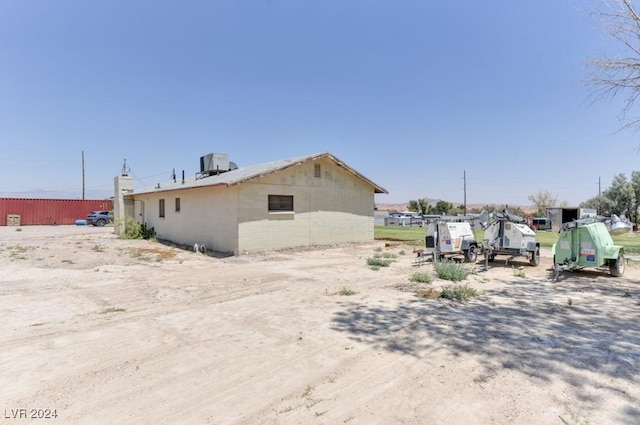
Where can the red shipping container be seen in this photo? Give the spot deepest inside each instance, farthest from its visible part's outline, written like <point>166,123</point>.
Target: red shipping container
<point>48,211</point>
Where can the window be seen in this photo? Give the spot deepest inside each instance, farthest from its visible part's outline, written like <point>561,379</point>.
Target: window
<point>280,203</point>
<point>177,205</point>
<point>161,208</point>
<point>317,171</point>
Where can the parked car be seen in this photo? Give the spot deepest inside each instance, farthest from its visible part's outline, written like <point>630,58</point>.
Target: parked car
<point>99,218</point>
<point>541,223</point>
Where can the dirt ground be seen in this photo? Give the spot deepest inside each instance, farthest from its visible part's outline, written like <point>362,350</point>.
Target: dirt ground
<point>97,330</point>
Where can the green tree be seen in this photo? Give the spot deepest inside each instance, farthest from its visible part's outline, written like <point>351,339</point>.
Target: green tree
<point>455,210</point>
<point>619,73</point>
<point>622,193</point>
<point>490,208</point>
<point>419,205</point>
<point>600,203</point>
<point>517,211</point>
<point>443,207</point>
<point>543,200</point>
<point>635,182</point>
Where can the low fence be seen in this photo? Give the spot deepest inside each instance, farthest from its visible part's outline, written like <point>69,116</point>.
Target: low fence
<point>404,221</point>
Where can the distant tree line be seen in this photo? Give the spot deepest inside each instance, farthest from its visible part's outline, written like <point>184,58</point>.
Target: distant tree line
<point>621,198</point>
<point>423,206</point>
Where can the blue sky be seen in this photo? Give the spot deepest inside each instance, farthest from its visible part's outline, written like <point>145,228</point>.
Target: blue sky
<point>413,94</point>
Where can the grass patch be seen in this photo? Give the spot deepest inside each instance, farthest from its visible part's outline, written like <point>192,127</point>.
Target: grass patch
<point>459,293</point>
<point>630,241</point>
<point>428,293</point>
<point>140,256</point>
<point>378,262</point>
<point>346,291</point>
<point>18,249</point>
<point>421,277</point>
<point>389,255</point>
<point>19,252</point>
<point>450,270</point>
<point>307,391</point>
<point>519,273</point>
<point>410,235</point>
<point>112,310</point>
<point>98,248</point>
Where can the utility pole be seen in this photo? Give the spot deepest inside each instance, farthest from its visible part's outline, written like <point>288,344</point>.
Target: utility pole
<point>83,175</point>
<point>599,199</point>
<point>464,178</point>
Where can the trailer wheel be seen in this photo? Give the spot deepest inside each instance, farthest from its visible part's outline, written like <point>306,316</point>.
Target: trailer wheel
<point>535,257</point>
<point>471,254</point>
<point>616,267</point>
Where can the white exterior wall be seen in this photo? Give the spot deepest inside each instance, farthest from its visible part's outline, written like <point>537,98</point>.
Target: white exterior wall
<point>334,208</point>
<point>208,216</point>
<point>122,186</point>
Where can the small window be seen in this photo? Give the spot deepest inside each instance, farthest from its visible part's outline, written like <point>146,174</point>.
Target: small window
<point>280,203</point>
<point>317,171</point>
<point>161,208</point>
<point>177,205</point>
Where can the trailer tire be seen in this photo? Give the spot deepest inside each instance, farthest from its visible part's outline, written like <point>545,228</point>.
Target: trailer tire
<point>471,254</point>
<point>616,267</point>
<point>535,257</point>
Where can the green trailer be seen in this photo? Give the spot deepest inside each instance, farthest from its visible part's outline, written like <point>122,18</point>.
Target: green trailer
<point>588,243</point>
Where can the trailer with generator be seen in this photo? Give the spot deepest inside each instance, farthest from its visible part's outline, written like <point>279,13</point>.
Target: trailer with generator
<point>508,235</point>
<point>450,237</point>
<point>587,242</point>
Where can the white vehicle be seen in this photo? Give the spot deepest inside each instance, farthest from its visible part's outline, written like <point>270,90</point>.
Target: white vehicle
<point>507,234</point>
<point>450,236</point>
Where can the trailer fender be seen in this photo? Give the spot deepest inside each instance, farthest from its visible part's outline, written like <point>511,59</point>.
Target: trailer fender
<point>611,252</point>
<point>532,246</point>
<point>466,243</point>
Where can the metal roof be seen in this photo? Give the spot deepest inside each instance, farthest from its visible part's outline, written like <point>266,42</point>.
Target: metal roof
<point>244,174</point>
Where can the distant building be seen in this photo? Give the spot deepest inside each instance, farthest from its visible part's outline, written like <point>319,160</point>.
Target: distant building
<point>565,215</point>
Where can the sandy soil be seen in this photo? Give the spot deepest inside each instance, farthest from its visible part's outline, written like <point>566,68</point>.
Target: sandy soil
<point>106,331</point>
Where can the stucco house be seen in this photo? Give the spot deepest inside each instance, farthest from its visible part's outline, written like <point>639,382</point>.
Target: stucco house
<point>310,200</point>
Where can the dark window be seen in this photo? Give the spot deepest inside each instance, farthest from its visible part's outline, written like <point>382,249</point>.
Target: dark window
<point>280,203</point>
<point>177,204</point>
<point>161,208</point>
<point>317,170</point>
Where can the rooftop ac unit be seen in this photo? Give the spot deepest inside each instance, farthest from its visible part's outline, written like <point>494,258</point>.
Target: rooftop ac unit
<point>214,163</point>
